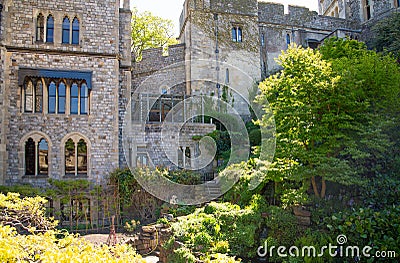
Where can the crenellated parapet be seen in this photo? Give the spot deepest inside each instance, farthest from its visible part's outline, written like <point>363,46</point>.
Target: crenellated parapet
<point>153,59</point>
<point>272,13</point>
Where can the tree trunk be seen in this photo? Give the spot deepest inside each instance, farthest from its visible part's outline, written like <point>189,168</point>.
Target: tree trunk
<point>315,187</point>
<point>323,188</point>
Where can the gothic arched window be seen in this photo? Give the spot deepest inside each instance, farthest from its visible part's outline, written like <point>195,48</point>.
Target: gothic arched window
<point>40,28</point>
<point>65,30</point>
<point>76,157</point>
<point>50,29</point>
<point>36,157</point>
<point>75,31</point>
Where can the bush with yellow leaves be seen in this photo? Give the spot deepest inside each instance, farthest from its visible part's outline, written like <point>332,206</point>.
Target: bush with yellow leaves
<point>27,235</point>
<point>57,247</point>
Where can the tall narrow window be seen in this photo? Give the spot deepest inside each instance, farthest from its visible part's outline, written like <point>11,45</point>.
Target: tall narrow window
<point>82,157</point>
<point>74,99</point>
<point>239,34</point>
<point>30,157</point>
<point>262,39</point>
<point>227,76</point>
<point>75,31</point>
<point>288,39</point>
<point>367,9</point>
<point>180,157</point>
<point>39,96</point>
<point>52,97</point>
<point>84,94</point>
<point>40,28</point>
<point>29,96</point>
<point>236,34</point>
<point>50,29</point>
<point>61,97</point>
<point>65,30</point>
<point>70,159</point>
<point>43,160</point>
<point>187,157</point>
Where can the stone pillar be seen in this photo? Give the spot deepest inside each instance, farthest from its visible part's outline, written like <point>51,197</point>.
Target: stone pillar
<point>127,4</point>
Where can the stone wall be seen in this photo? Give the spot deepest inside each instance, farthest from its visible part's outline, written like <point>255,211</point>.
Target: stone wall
<point>3,120</point>
<point>98,24</point>
<point>168,71</point>
<point>99,127</point>
<point>212,55</point>
<point>163,151</point>
<point>300,26</point>
<point>98,52</point>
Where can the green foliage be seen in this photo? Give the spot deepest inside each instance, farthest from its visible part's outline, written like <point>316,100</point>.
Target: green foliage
<point>240,192</point>
<point>386,35</point>
<point>182,255</point>
<point>335,48</point>
<point>150,31</point>
<point>382,191</point>
<point>221,228</point>
<point>282,226</point>
<point>23,190</point>
<point>333,109</point>
<point>131,226</point>
<point>317,239</point>
<point>184,177</point>
<point>366,227</point>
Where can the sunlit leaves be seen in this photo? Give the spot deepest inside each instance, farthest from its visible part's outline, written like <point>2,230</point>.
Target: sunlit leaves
<point>150,31</point>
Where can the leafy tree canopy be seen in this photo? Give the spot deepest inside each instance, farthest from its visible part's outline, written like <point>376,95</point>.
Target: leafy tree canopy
<point>332,109</point>
<point>150,31</point>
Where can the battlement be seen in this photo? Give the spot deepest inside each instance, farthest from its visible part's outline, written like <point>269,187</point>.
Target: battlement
<point>153,58</point>
<point>273,13</point>
<point>276,12</point>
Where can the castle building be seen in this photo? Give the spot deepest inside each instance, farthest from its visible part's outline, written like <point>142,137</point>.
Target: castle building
<point>66,77</point>
<point>63,65</point>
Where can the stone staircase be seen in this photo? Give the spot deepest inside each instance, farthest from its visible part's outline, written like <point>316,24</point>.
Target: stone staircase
<point>210,189</point>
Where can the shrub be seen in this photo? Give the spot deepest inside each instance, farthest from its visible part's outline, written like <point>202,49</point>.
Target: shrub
<point>367,227</point>
<point>282,226</point>
<point>220,227</point>
<point>26,215</point>
<point>54,246</point>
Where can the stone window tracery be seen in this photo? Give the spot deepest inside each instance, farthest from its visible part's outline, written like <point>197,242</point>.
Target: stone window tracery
<point>33,95</point>
<point>237,34</point>
<point>57,94</point>
<point>40,28</point>
<point>36,156</point>
<point>76,156</point>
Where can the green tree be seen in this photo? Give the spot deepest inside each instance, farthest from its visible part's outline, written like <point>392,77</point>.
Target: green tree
<point>150,31</point>
<point>331,113</point>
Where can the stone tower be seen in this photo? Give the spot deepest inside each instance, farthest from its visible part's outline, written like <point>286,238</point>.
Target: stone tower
<point>221,39</point>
